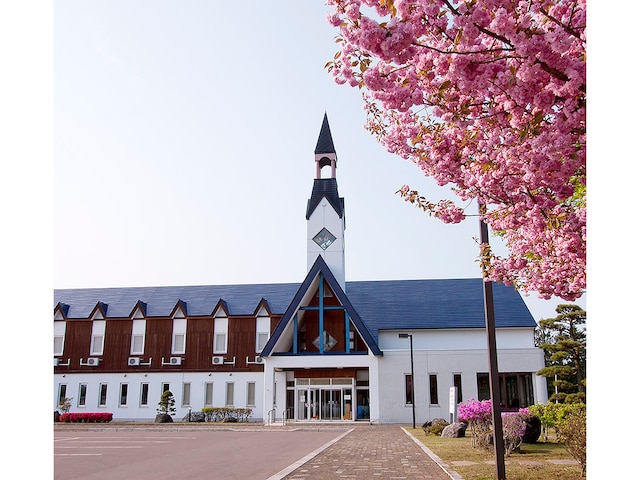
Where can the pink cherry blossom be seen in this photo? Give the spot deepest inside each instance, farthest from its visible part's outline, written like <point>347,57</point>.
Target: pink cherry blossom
<point>488,98</point>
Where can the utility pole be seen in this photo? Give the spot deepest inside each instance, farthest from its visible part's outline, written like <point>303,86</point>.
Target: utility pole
<point>498,440</point>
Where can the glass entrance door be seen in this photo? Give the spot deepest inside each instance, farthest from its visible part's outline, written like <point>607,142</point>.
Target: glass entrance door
<point>331,404</point>
<point>332,400</point>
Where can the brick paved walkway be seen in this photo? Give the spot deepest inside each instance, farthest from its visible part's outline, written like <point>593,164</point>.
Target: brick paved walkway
<point>382,452</point>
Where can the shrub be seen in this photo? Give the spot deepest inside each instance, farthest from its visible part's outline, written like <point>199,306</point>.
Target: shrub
<point>166,405</point>
<point>86,417</point>
<point>553,414</point>
<point>435,426</point>
<point>513,428</point>
<point>64,405</point>
<point>477,415</point>
<point>572,433</point>
<point>227,414</point>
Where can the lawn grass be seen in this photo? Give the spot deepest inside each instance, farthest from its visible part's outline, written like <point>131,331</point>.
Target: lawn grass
<point>531,463</point>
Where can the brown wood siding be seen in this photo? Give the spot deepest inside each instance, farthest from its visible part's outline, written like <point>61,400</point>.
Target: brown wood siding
<point>325,373</point>
<point>157,344</point>
<point>199,344</point>
<point>77,344</point>
<point>117,344</point>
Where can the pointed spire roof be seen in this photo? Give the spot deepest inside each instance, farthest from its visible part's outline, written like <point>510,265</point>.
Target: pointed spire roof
<point>325,141</point>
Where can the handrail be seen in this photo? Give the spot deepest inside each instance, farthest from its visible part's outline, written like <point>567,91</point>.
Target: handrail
<point>285,415</point>
<point>271,416</point>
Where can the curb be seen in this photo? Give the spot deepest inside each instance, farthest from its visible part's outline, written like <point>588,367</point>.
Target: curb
<point>445,467</point>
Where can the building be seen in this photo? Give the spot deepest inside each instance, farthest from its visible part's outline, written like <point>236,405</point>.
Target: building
<point>321,350</point>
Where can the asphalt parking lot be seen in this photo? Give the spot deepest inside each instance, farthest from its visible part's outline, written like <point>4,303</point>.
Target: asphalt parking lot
<point>157,454</point>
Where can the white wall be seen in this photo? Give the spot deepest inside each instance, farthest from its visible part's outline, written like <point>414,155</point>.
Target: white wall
<point>133,410</point>
<point>457,339</point>
<point>395,364</point>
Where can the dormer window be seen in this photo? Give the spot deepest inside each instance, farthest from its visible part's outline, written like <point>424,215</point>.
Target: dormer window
<point>137,336</point>
<point>178,344</point>
<point>97,337</point>
<point>59,329</point>
<point>220,333</point>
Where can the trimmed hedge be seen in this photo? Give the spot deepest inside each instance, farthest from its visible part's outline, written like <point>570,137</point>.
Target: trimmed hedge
<point>86,417</point>
<point>227,414</point>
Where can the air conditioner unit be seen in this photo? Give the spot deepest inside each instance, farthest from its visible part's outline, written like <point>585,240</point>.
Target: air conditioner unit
<point>259,359</point>
<point>134,361</point>
<point>93,361</point>
<point>175,360</point>
<point>217,360</point>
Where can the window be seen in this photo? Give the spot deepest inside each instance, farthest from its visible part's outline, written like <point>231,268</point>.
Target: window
<point>102,399</point>
<point>229,395</point>
<point>97,344</point>
<point>515,389</point>
<point>186,394</point>
<point>484,390</point>
<point>251,394</point>
<point>97,337</point>
<point>58,337</point>
<point>261,340</point>
<point>165,387</point>
<point>123,394</point>
<point>408,389</point>
<point>144,394</point>
<point>82,395</point>
<point>433,389</point>
<point>263,326</point>
<point>457,382</point>
<point>137,336</point>
<point>62,392</point>
<point>220,330</point>
<point>58,345</point>
<point>208,394</point>
<point>179,335</point>
<point>221,343</point>
<point>178,343</point>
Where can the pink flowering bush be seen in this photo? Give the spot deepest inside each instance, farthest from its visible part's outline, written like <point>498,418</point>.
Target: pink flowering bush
<point>478,416</point>
<point>489,98</point>
<point>513,430</point>
<point>516,426</point>
<point>86,417</point>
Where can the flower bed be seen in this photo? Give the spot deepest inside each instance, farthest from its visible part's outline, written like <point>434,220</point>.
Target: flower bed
<point>86,417</point>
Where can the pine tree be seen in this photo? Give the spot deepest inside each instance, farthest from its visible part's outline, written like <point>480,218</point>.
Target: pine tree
<point>166,405</point>
<point>564,340</point>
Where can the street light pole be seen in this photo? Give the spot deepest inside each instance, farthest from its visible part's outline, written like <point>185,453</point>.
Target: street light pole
<point>413,382</point>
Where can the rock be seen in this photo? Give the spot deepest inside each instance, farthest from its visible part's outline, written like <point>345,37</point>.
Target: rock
<point>163,418</point>
<point>532,430</point>
<point>454,430</point>
<point>195,417</point>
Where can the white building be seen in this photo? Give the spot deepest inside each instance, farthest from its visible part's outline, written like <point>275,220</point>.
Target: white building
<point>322,350</point>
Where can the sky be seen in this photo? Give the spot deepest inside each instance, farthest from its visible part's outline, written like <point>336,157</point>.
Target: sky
<point>183,152</point>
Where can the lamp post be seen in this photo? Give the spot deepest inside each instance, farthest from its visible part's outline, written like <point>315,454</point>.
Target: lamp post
<point>413,383</point>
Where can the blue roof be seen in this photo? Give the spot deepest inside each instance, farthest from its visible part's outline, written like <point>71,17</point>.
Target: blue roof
<point>432,304</point>
<point>199,299</point>
<point>382,305</point>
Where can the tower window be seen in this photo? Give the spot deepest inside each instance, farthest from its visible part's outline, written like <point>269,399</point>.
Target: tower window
<point>324,238</point>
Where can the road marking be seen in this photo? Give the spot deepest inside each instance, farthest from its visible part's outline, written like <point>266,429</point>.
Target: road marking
<point>98,446</point>
<point>77,454</point>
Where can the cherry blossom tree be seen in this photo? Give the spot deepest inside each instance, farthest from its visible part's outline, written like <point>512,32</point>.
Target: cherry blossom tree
<point>488,97</point>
